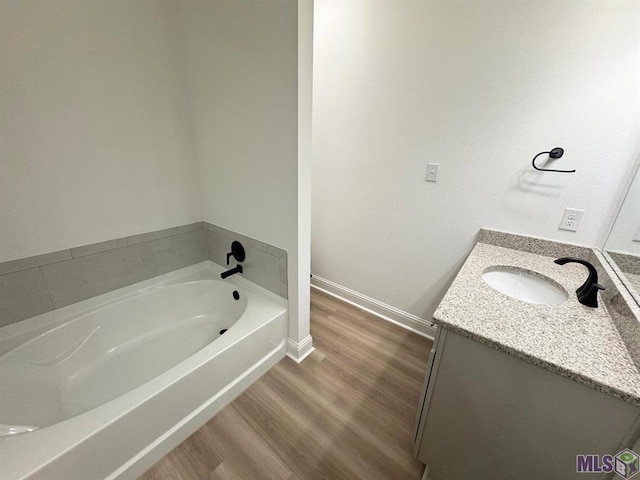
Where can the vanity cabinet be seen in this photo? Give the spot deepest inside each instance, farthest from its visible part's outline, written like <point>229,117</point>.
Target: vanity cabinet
<point>487,415</point>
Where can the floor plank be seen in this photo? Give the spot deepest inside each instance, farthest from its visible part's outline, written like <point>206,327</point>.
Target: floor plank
<point>346,412</point>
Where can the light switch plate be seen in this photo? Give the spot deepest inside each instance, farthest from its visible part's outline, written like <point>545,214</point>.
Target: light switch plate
<point>636,237</point>
<point>433,171</point>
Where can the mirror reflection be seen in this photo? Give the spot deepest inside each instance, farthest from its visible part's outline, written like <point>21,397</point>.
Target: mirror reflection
<point>623,244</point>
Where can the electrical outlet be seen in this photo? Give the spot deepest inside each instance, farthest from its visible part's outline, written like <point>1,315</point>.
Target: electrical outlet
<point>433,171</point>
<point>571,219</point>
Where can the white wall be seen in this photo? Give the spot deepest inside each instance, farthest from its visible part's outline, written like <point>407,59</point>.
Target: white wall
<point>242,65</point>
<point>95,140</point>
<point>479,87</point>
<point>242,70</point>
<point>300,332</point>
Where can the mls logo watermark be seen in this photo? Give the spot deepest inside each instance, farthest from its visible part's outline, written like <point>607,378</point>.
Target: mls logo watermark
<point>626,463</point>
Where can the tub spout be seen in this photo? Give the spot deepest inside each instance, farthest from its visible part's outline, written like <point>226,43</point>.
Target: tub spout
<point>228,273</point>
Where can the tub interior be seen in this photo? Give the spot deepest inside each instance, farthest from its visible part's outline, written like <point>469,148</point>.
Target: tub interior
<point>107,352</point>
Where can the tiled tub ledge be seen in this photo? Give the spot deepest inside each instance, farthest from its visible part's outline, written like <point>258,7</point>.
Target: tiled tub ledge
<point>570,339</point>
<point>265,264</point>
<point>34,285</point>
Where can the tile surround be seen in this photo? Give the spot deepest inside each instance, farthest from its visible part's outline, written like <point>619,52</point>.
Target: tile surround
<point>265,265</point>
<point>98,247</point>
<point>36,261</point>
<point>23,294</point>
<point>34,285</point>
<point>178,251</point>
<point>80,278</point>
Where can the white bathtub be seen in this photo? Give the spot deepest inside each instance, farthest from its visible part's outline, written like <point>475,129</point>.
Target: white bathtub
<point>104,388</point>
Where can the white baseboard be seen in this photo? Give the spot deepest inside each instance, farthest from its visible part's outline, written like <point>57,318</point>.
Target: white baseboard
<point>386,312</point>
<point>298,351</point>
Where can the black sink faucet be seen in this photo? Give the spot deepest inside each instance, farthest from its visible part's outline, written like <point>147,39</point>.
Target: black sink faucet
<point>588,291</point>
<point>238,253</point>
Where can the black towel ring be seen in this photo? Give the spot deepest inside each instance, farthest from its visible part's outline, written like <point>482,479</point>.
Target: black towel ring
<point>555,153</point>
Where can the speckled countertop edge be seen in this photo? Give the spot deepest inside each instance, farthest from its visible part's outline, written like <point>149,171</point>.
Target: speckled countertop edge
<point>570,339</point>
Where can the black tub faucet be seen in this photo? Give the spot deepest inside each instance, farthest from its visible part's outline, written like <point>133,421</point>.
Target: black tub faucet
<point>238,253</point>
<point>228,273</point>
<point>588,291</point>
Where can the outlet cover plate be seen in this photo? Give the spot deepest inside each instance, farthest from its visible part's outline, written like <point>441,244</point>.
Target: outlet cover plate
<point>571,219</point>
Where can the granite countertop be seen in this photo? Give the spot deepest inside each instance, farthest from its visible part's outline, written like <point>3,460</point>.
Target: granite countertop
<point>570,339</point>
<point>635,280</point>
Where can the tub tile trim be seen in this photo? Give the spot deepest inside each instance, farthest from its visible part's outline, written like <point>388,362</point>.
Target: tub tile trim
<point>266,264</point>
<point>77,273</point>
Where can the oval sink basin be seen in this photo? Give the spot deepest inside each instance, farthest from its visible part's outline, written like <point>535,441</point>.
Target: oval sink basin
<point>526,286</point>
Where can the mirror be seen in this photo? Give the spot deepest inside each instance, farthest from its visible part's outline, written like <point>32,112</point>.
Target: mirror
<point>622,247</point>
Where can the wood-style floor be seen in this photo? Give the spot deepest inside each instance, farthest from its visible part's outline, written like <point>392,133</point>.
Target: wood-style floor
<point>346,412</point>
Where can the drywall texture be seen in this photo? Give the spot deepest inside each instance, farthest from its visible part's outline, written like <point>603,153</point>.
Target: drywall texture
<point>95,138</point>
<point>479,87</point>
